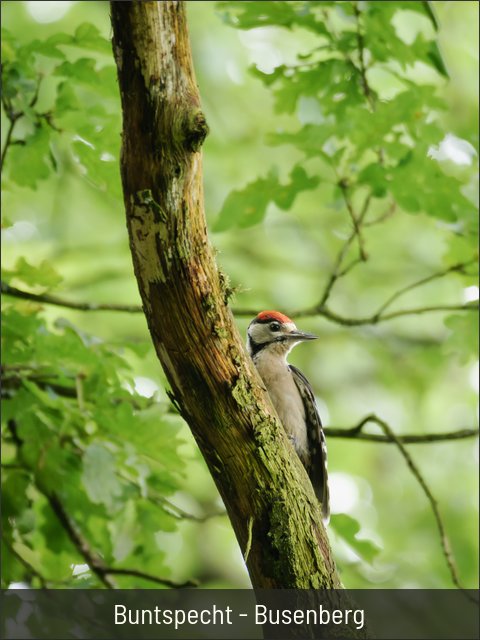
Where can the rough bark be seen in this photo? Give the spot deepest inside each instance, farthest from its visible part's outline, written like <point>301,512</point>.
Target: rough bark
<point>265,489</point>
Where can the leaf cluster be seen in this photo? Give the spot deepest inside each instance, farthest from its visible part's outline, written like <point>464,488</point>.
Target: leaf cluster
<point>60,97</point>
<point>75,430</point>
<point>373,121</point>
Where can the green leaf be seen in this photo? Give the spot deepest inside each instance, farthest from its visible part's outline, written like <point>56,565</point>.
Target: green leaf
<point>124,530</point>
<point>249,15</point>
<point>88,36</point>
<point>99,476</point>
<point>67,99</point>
<point>30,162</point>
<point>463,339</point>
<point>310,139</point>
<point>384,43</point>
<point>9,45</point>
<point>433,54</point>
<point>14,497</point>
<point>429,11</point>
<point>44,275</point>
<point>347,528</point>
<point>374,176</point>
<point>419,184</point>
<point>299,181</point>
<point>18,331</point>
<point>48,48</point>
<point>248,207</point>
<point>87,72</point>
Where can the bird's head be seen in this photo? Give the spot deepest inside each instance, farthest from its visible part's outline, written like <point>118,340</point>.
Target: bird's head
<point>274,331</point>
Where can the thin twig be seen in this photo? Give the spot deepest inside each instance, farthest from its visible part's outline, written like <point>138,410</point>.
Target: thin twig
<point>361,57</point>
<point>313,311</point>
<point>368,320</point>
<point>148,576</point>
<point>459,268</point>
<point>418,311</point>
<point>375,318</point>
<point>361,70</point>
<point>30,568</point>
<point>180,514</point>
<point>11,381</point>
<point>355,221</point>
<point>356,433</point>
<point>96,564</point>
<point>80,543</point>
<point>13,119</point>
<point>34,99</point>
<point>445,543</point>
<point>384,216</point>
<point>332,432</point>
<point>169,507</point>
<point>337,272</point>
<point>46,298</point>
<point>348,268</point>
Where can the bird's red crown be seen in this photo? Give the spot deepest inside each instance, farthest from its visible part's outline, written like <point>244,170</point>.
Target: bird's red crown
<point>267,316</point>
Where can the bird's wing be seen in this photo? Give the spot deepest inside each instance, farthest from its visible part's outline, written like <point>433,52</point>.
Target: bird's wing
<point>317,469</point>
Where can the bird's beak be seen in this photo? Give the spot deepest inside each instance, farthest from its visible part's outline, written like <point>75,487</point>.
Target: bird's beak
<point>301,335</point>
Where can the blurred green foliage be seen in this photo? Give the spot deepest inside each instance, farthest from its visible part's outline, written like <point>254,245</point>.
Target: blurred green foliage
<point>325,118</point>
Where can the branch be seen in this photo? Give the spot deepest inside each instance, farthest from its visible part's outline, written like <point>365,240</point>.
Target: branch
<point>168,507</point>
<point>12,119</point>
<point>46,298</point>
<point>180,514</point>
<point>12,378</point>
<point>418,311</point>
<point>459,268</point>
<point>95,563</point>
<point>242,312</point>
<point>80,543</point>
<point>30,568</point>
<point>343,184</point>
<point>356,433</point>
<point>361,70</point>
<point>337,271</point>
<point>92,559</point>
<point>444,541</point>
<point>148,576</point>
<point>14,381</point>
<point>384,216</point>
<point>345,321</point>
<point>361,56</point>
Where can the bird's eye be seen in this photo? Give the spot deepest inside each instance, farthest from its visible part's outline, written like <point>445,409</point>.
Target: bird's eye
<point>274,326</point>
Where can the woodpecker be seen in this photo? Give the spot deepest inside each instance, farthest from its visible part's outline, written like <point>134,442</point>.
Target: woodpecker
<point>270,338</point>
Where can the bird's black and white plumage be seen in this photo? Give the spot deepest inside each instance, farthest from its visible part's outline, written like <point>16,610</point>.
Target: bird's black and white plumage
<point>271,336</point>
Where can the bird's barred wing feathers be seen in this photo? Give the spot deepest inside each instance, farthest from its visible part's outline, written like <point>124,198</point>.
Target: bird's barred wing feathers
<point>317,469</point>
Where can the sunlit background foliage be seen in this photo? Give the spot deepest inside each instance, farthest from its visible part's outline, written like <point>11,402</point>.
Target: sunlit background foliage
<point>313,107</point>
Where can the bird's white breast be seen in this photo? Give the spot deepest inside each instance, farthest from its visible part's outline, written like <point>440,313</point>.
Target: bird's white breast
<point>286,399</point>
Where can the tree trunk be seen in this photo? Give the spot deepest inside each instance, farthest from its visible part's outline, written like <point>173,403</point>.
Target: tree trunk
<point>265,489</point>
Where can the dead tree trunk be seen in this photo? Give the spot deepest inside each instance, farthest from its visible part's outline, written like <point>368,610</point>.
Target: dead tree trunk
<point>265,489</point>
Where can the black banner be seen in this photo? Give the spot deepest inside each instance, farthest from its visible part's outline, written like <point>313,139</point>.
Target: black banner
<point>244,614</point>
